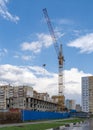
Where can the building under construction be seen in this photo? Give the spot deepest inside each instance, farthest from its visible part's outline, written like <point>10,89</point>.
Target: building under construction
<point>60,101</point>
<point>24,97</point>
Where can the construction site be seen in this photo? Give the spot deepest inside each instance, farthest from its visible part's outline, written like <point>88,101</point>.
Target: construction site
<point>15,98</point>
<point>24,97</point>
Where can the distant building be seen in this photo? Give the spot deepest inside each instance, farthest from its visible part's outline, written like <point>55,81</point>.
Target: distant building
<point>70,104</point>
<point>3,94</point>
<point>87,94</point>
<point>42,96</point>
<point>78,108</point>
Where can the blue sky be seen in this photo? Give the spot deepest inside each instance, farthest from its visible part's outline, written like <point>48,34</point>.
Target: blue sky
<point>25,43</point>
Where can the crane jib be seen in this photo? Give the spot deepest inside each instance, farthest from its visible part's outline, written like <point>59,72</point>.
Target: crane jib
<point>51,31</point>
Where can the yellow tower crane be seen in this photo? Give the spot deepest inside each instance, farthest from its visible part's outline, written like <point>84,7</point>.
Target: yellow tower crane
<point>60,56</point>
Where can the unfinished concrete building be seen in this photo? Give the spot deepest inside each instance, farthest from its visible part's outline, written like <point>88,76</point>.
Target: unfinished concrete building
<point>31,103</point>
<point>24,97</point>
<point>17,93</point>
<point>60,101</point>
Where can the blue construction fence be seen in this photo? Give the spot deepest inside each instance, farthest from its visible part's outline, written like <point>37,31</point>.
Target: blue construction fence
<point>79,114</point>
<point>27,115</point>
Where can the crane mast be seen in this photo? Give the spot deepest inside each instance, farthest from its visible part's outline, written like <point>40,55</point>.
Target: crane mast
<point>59,53</point>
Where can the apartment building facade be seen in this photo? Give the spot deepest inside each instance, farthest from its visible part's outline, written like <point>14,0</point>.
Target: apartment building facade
<point>87,94</point>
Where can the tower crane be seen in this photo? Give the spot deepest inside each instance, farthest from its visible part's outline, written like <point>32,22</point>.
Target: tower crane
<point>59,53</point>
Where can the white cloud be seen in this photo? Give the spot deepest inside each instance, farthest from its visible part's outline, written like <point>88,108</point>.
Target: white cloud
<point>26,57</point>
<point>39,71</point>
<point>84,43</point>
<point>5,13</point>
<point>64,21</point>
<point>33,46</point>
<point>36,46</point>
<point>16,75</point>
<point>42,80</point>
<point>45,39</point>
<point>3,52</point>
<point>16,56</point>
<point>22,56</point>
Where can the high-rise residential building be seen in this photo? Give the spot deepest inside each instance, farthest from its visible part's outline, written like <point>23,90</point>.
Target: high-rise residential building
<point>87,94</point>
